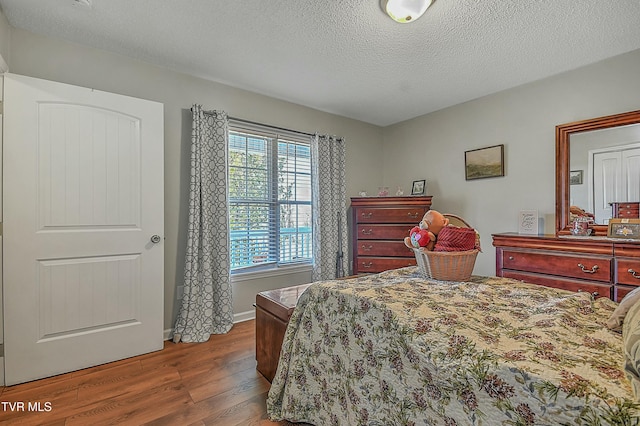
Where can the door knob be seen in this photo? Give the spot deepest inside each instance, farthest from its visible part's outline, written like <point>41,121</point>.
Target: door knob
<point>155,239</point>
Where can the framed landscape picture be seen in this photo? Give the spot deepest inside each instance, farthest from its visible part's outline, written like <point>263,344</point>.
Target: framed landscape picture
<point>575,177</point>
<point>484,162</point>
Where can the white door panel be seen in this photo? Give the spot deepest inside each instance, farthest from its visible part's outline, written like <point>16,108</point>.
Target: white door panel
<point>607,184</point>
<point>631,174</point>
<point>83,194</point>
<point>81,149</point>
<point>616,172</point>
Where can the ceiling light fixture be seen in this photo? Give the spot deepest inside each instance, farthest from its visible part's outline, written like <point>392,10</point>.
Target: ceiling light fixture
<point>405,11</point>
<point>82,3</point>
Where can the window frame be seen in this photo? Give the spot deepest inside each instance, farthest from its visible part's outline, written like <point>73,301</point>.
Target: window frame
<point>274,136</point>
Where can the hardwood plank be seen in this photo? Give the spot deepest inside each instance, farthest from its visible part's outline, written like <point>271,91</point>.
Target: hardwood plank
<point>241,413</point>
<point>220,379</point>
<point>111,386</point>
<point>215,363</point>
<point>134,409</point>
<point>248,383</point>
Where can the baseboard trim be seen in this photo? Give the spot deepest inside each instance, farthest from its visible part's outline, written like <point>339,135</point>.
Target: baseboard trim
<point>168,334</point>
<point>237,318</point>
<point>244,316</point>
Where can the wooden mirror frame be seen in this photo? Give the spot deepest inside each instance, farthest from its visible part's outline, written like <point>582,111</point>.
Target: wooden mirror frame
<point>563,133</point>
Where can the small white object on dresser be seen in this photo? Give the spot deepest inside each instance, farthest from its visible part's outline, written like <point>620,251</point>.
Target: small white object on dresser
<point>528,222</point>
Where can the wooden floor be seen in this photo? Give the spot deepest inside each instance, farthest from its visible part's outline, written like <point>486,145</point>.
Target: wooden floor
<point>213,383</point>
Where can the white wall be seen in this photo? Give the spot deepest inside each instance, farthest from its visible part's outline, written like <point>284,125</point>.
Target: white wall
<point>46,58</point>
<point>432,146</point>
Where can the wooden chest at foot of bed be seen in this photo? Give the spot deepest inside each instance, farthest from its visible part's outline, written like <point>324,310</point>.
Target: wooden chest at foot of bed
<point>273,310</point>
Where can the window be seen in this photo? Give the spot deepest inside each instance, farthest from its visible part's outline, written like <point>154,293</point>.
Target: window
<point>269,197</point>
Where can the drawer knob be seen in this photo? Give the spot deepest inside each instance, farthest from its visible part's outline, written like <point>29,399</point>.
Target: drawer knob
<point>367,265</point>
<point>588,271</point>
<point>413,215</point>
<point>367,215</point>
<point>634,274</point>
<point>366,248</point>
<point>367,231</point>
<point>511,257</point>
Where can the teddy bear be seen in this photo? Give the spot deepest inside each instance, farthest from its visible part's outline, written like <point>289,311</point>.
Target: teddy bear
<point>433,221</point>
<point>420,238</point>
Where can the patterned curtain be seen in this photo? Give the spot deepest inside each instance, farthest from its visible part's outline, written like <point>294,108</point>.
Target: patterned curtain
<point>330,237</point>
<point>207,306</point>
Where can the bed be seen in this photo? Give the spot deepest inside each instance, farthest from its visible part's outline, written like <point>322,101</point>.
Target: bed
<point>397,349</point>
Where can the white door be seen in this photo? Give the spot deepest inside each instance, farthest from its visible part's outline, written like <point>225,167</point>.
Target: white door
<point>615,178</point>
<point>631,174</point>
<point>607,184</point>
<point>83,197</point>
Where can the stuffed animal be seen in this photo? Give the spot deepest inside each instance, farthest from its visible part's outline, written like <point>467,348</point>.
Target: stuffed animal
<point>433,221</point>
<point>420,238</point>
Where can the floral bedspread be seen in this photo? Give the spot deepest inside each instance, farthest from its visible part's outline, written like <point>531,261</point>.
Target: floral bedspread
<point>396,349</point>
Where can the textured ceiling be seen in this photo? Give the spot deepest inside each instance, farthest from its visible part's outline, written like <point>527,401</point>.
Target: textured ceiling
<point>346,56</point>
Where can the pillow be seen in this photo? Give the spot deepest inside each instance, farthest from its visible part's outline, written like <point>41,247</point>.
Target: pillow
<point>631,347</point>
<point>616,319</point>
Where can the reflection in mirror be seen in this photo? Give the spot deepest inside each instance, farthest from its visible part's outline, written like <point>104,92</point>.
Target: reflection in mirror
<point>604,170</point>
<point>597,170</point>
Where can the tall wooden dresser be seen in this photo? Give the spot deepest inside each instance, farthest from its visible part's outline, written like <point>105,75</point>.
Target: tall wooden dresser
<point>604,266</point>
<point>379,227</point>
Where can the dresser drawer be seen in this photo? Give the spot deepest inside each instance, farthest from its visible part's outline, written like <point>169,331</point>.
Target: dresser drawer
<point>627,271</point>
<point>383,248</point>
<point>383,232</point>
<point>588,267</point>
<point>628,214</point>
<point>628,206</point>
<point>389,215</point>
<point>594,288</point>
<point>379,264</point>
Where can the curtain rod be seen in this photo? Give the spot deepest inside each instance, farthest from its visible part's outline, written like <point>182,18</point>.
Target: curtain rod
<point>264,125</point>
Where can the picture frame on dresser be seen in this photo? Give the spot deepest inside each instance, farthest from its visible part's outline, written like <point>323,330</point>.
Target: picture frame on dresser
<point>528,222</point>
<point>624,228</point>
<point>418,187</point>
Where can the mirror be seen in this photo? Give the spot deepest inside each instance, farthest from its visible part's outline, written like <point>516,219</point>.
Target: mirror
<point>580,138</point>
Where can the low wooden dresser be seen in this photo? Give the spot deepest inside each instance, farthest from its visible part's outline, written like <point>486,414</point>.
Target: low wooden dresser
<point>607,267</point>
<point>379,227</point>
<point>273,311</point>
<point>626,210</point>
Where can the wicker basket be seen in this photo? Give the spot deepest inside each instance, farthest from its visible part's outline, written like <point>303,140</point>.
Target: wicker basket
<point>447,265</point>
